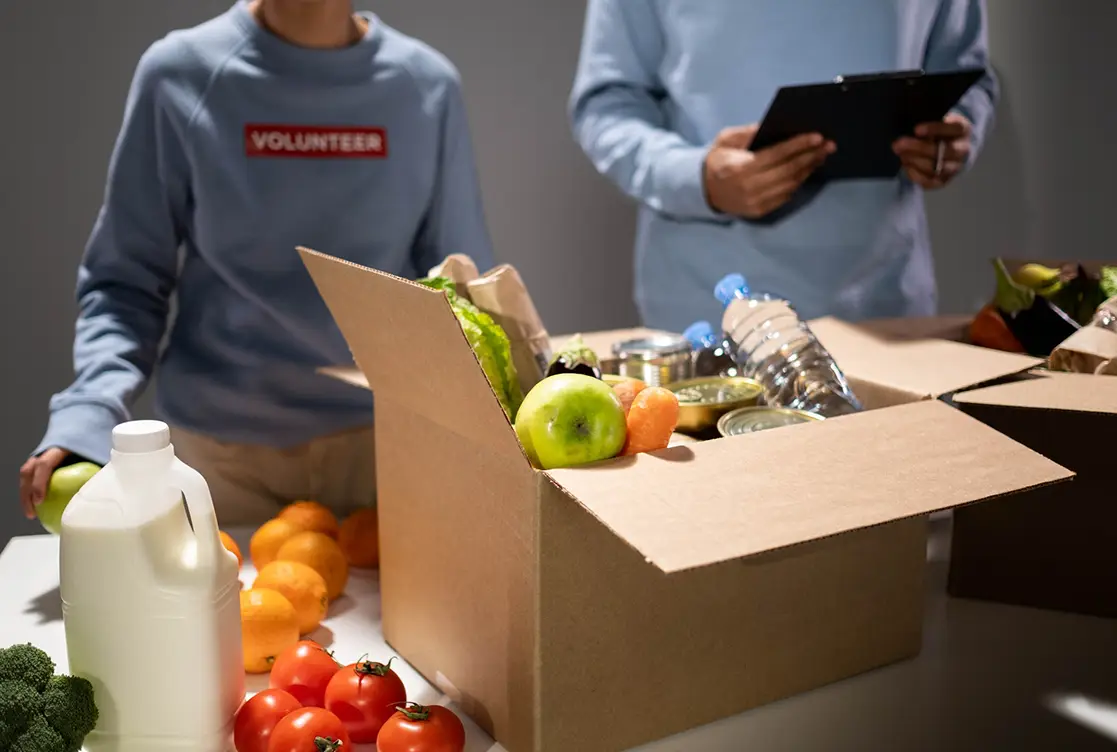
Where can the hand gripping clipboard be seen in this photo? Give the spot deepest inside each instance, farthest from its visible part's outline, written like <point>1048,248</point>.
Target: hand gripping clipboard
<point>863,115</point>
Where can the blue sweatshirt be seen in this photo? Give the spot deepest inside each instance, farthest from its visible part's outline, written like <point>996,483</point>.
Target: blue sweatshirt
<point>658,79</point>
<point>237,147</point>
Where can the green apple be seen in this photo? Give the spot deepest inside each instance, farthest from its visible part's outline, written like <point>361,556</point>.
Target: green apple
<point>64,483</point>
<point>570,419</point>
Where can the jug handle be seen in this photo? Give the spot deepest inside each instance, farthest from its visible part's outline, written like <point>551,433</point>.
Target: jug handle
<point>202,514</point>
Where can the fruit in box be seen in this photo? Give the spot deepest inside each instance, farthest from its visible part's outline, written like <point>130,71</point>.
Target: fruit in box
<point>570,419</point>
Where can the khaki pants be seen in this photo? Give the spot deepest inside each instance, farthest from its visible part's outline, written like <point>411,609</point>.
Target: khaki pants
<point>250,483</point>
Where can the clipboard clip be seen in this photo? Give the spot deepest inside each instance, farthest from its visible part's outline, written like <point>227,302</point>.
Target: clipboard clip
<point>907,75</point>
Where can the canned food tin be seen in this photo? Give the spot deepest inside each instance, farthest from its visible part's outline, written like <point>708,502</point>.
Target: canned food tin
<point>703,401</point>
<point>752,419</point>
<point>655,360</point>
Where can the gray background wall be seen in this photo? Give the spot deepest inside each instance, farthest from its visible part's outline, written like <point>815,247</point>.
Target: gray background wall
<point>1042,189</point>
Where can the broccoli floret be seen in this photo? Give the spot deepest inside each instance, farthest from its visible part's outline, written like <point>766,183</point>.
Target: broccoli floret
<point>7,735</point>
<point>28,664</point>
<point>41,712</point>
<point>19,704</point>
<point>69,709</point>
<point>39,737</point>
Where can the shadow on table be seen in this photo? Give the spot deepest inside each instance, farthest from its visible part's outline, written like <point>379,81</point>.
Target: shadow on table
<point>48,606</point>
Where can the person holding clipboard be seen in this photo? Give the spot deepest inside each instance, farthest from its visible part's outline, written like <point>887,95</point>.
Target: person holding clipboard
<point>668,100</point>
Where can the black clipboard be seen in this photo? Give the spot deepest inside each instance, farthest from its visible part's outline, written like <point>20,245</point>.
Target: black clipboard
<point>863,115</point>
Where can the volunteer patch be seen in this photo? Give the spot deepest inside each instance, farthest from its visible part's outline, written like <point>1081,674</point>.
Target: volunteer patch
<point>315,142</point>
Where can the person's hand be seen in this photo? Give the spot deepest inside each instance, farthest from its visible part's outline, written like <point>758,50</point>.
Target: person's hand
<point>937,152</point>
<point>750,184</point>
<point>34,477</point>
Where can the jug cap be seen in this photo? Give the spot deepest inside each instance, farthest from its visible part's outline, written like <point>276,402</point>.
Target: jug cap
<point>138,436</point>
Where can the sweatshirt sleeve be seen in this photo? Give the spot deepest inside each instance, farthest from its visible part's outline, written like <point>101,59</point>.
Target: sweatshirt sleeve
<point>617,117</point>
<point>959,39</point>
<point>455,221</point>
<point>127,273</point>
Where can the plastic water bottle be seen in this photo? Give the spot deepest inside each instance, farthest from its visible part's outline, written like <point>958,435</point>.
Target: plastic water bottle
<point>151,601</point>
<point>713,355</point>
<point>775,347</point>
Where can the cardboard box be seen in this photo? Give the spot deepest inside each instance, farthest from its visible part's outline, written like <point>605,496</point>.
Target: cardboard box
<point>1053,547</point>
<point>887,366</point>
<point>598,608</point>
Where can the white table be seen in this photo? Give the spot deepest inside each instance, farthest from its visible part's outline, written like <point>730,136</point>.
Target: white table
<point>990,677</point>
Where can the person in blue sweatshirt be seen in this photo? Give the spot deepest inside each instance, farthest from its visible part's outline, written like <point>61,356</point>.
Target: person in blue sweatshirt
<point>279,123</point>
<point>665,103</point>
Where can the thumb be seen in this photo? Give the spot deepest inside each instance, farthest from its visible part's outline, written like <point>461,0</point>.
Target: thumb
<point>738,136</point>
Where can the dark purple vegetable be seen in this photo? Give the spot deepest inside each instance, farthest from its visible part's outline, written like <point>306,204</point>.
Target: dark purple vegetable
<point>1041,327</point>
<point>575,357</point>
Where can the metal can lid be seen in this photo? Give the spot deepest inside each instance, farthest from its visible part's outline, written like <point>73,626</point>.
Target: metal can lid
<point>716,390</point>
<point>753,419</point>
<point>653,346</point>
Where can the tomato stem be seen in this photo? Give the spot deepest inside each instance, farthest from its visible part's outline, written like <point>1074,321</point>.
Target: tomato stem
<point>323,744</point>
<point>373,668</point>
<point>413,711</point>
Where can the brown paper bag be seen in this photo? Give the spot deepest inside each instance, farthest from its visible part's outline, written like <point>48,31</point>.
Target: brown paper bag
<point>1093,348</point>
<point>501,293</point>
<point>459,269</point>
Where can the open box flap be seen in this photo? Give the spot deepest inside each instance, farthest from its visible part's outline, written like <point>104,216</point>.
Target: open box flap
<point>1049,390</point>
<point>700,504</point>
<point>407,341</point>
<point>921,367</point>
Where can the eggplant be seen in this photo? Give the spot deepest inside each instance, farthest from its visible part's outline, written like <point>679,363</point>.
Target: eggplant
<point>1041,327</point>
<point>1037,324</point>
<point>575,357</point>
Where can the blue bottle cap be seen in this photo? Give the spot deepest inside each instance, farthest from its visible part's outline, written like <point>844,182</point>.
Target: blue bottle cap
<point>731,287</point>
<point>700,334</point>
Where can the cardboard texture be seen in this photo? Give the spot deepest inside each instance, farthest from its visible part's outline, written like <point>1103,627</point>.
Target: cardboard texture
<point>764,565</point>
<point>887,370</point>
<point>1050,548</point>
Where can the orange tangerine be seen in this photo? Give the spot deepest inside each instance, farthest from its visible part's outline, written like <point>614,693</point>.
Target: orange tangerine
<point>302,586</point>
<point>267,540</point>
<point>321,553</point>
<point>310,515</point>
<point>359,539</point>
<point>269,625</point>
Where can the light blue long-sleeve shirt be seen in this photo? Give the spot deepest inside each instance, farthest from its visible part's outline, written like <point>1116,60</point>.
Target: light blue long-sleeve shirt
<point>237,147</point>
<point>658,79</point>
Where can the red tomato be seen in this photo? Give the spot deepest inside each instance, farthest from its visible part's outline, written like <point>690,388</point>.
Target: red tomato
<point>309,730</point>
<point>304,670</point>
<point>419,728</point>
<point>256,718</point>
<point>364,695</point>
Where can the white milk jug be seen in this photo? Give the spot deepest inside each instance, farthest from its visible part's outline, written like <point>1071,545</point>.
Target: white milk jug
<point>151,607</point>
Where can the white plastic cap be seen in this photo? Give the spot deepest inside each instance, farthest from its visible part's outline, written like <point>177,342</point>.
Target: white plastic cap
<point>139,436</point>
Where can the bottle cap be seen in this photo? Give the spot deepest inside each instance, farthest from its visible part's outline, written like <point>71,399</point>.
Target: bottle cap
<point>731,287</point>
<point>700,334</point>
<point>138,436</point>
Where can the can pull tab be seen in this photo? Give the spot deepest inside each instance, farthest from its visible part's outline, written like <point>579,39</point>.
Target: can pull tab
<point>202,515</point>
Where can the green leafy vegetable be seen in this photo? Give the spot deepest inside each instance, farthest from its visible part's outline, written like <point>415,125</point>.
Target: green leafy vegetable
<point>1109,281</point>
<point>490,344</point>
